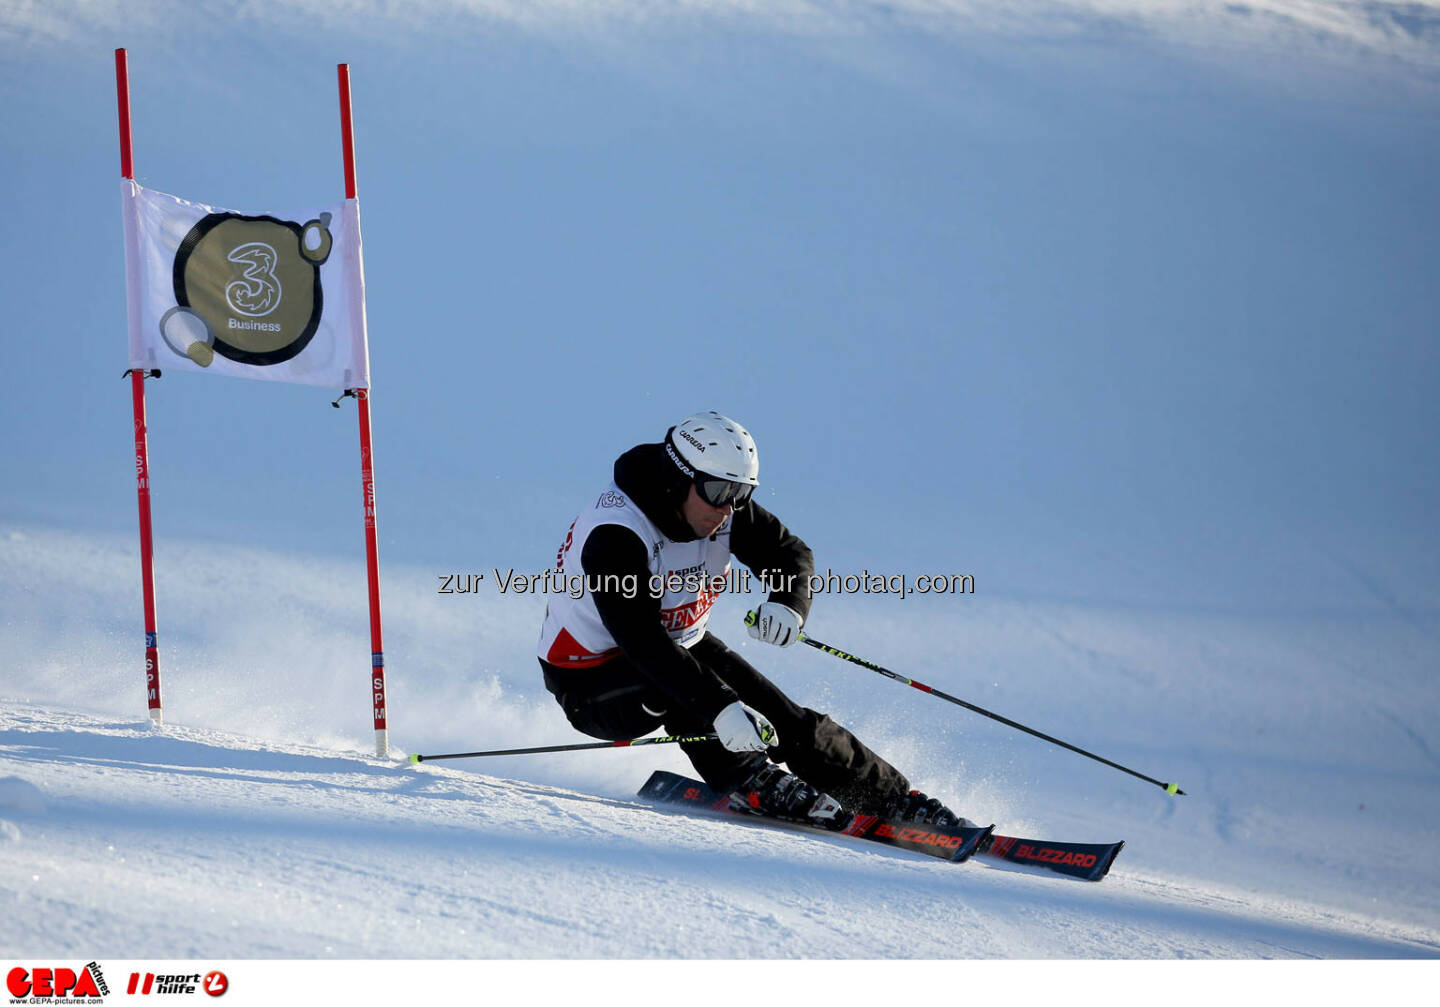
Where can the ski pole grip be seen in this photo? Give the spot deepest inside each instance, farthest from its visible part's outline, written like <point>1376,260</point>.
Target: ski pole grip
<point>751,617</point>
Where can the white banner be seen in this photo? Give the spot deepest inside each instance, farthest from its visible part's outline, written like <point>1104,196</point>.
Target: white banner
<point>40,979</point>
<point>249,295</point>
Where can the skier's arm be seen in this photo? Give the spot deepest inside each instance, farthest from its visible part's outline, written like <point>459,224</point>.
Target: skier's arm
<point>760,541</point>
<point>614,556</point>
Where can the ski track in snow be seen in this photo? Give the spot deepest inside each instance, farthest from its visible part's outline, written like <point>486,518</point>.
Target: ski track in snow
<point>189,843</point>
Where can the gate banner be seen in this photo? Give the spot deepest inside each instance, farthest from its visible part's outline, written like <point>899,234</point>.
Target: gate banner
<point>269,296</point>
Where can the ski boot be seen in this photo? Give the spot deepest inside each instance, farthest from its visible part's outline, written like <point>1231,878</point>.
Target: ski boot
<point>772,791</point>
<point>923,810</point>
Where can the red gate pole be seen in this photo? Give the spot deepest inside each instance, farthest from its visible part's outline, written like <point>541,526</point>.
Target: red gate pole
<point>142,451</point>
<point>367,466</point>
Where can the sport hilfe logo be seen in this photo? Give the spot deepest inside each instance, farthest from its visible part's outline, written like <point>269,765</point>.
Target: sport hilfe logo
<point>214,983</point>
<point>43,983</point>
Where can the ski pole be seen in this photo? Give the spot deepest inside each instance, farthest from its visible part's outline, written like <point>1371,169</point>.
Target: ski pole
<point>417,758</point>
<point>1169,788</point>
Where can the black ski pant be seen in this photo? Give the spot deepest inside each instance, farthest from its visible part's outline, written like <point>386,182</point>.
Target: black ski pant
<point>615,701</point>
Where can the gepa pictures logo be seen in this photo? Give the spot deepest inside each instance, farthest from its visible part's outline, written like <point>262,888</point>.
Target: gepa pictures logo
<point>56,985</point>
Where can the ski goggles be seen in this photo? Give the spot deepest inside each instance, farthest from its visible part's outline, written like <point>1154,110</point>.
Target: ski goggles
<point>718,492</point>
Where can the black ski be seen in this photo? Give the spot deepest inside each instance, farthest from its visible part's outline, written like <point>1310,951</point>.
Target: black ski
<point>948,844</point>
<point>1088,861</point>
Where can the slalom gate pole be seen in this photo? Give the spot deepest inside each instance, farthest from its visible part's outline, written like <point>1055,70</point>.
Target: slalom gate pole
<point>1169,788</point>
<point>137,400</point>
<point>673,739</point>
<point>379,714</point>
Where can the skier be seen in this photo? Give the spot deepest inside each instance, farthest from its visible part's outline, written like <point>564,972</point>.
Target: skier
<point>631,653</point>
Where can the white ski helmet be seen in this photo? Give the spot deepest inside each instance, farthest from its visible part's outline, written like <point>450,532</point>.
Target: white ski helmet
<point>715,445</point>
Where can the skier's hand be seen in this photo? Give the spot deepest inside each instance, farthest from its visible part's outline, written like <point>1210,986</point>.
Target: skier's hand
<point>741,729</point>
<point>775,623</point>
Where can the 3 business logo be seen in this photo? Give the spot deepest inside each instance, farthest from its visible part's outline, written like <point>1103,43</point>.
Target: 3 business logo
<point>247,288</point>
<point>56,985</point>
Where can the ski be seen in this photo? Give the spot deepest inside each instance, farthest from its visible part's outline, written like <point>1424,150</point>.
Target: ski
<point>1087,861</point>
<point>955,845</point>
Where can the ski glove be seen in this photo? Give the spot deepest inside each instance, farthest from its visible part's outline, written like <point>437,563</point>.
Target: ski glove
<point>776,623</point>
<point>741,729</point>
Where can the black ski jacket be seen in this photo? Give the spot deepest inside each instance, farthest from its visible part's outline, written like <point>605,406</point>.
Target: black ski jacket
<point>758,539</point>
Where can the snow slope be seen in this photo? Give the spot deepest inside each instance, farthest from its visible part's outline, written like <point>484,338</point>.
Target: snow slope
<point>187,843</point>
<point>255,824</point>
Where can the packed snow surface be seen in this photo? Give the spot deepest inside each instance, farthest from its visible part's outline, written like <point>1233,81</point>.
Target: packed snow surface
<point>257,823</point>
